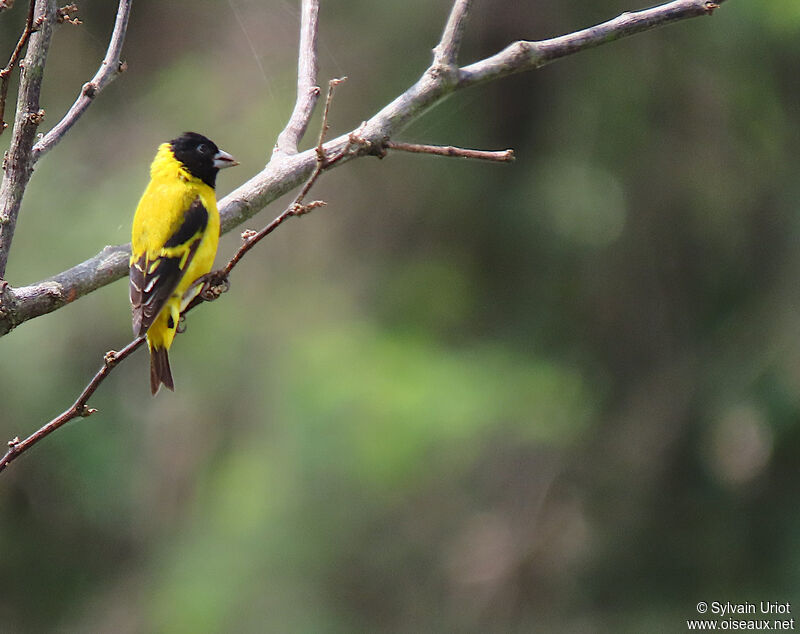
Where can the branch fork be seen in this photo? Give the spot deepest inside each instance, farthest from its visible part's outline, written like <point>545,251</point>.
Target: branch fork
<point>445,54</point>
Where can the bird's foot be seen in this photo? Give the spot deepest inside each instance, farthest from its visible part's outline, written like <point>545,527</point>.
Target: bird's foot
<point>214,284</point>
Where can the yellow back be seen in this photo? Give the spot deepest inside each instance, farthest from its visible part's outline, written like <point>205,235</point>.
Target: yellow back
<point>168,195</point>
<point>161,210</point>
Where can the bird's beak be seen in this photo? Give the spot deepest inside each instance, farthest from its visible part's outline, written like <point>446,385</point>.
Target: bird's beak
<point>223,160</point>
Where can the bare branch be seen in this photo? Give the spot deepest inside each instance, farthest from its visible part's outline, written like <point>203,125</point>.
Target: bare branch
<point>18,164</point>
<point>501,156</point>
<point>109,70</point>
<point>524,55</point>
<point>307,89</point>
<point>286,172</point>
<point>324,127</point>
<point>5,74</point>
<point>17,305</point>
<point>78,409</point>
<point>445,54</point>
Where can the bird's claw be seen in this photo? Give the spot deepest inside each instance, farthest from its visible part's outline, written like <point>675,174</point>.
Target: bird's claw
<point>214,284</point>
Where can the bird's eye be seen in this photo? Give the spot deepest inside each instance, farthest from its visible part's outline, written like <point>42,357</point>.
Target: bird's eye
<point>202,148</point>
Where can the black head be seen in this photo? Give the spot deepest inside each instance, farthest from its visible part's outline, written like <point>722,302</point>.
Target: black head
<point>200,156</point>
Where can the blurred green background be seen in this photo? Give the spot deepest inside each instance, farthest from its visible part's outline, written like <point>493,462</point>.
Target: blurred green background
<point>557,395</point>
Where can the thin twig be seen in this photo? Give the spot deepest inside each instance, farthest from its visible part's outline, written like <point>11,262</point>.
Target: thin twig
<point>18,163</point>
<point>307,89</point>
<point>445,54</point>
<point>79,408</point>
<point>324,127</point>
<point>500,156</point>
<point>296,207</point>
<point>5,74</point>
<point>109,70</point>
<point>279,177</point>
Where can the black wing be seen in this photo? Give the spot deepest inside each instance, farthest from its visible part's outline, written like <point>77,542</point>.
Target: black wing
<point>153,281</point>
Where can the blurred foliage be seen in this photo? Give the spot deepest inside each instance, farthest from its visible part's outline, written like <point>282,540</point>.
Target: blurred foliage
<point>560,395</point>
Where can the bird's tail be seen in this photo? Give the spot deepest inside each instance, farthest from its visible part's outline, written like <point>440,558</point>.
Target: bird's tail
<point>159,370</point>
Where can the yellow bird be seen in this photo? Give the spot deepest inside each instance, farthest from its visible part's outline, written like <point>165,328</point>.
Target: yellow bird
<point>174,239</point>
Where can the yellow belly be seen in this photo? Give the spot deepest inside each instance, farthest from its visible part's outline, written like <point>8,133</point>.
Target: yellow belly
<point>158,215</point>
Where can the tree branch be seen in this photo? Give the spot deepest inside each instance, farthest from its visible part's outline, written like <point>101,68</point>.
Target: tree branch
<point>524,55</point>
<point>109,70</point>
<point>79,408</point>
<point>5,74</point>
<point>17,305</point>
<point>285,172</point>
<point>307,89</point>
<point>501,156</point>
<point>445,54</point>
<point>18,165</point>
